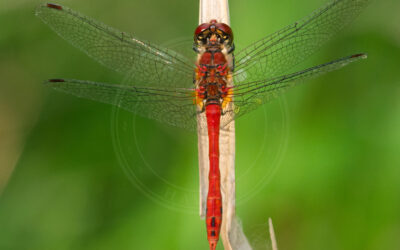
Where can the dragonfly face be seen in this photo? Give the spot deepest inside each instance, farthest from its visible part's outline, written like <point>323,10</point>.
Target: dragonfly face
<point>213,34</point>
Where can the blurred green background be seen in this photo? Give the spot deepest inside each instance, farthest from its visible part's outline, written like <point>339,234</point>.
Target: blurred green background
<point>322,161</point>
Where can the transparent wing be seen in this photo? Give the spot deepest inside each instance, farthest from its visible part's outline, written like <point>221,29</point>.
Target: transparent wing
<point>275,54</point>
<point>174,107</point>
<point>140,62</point>
<point>182,45</point>
<point>250,95</point>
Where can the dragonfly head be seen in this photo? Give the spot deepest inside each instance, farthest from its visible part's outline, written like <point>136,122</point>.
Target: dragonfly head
<point>213,33</point>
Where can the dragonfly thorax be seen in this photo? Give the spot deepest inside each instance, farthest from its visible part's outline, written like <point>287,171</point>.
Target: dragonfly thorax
<point>213,42</point>
<point>211,77</point>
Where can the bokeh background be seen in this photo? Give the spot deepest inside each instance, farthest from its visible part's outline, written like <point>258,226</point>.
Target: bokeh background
<point>323,161</point>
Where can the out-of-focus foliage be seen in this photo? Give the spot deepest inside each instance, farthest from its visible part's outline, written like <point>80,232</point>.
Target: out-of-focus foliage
<point>323,161</point>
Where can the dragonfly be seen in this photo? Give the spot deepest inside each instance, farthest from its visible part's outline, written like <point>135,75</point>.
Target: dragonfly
<point>173,88</point>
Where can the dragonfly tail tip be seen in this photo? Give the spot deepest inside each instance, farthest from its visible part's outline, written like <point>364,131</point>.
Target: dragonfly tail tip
<point>213,245</point>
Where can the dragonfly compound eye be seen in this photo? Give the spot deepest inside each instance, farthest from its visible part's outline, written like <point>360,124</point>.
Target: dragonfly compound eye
<point>201,28</point>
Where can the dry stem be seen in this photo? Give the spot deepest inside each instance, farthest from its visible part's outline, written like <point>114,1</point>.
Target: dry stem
<point>231,234</point>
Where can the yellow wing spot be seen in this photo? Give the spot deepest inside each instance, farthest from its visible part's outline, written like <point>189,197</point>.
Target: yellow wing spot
<point>197,74</point>
<point>200,105</point>
<point>197,100</point>
<point>227,99</point>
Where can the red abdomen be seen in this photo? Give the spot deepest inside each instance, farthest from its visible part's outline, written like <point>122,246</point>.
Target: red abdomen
<point>214,199</point>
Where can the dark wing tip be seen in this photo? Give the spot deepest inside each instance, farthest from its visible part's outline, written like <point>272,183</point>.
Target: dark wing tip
<point>55,80</point>
<point>361,55</point>
<point>54,6</point>
<point>44,6</point>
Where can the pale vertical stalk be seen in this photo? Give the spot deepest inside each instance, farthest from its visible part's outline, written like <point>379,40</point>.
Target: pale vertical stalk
<point>214,9</point>
<point>272,235</point>
<point>231,234</point>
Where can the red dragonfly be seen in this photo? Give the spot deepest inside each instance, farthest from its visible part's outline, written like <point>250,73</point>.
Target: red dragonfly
<point>160,83</point>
